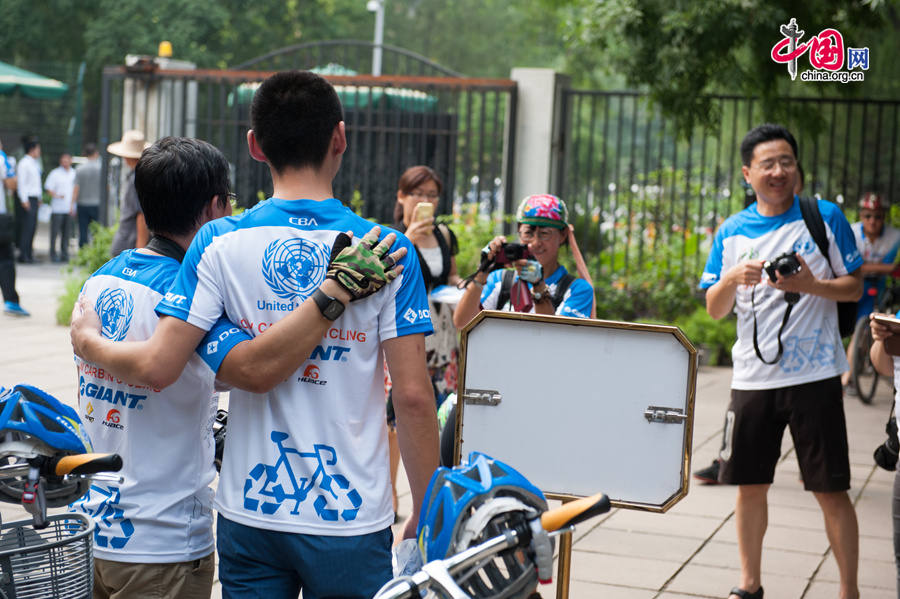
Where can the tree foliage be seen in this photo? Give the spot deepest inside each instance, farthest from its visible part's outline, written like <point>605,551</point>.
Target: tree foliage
<point>677,50</point>
<point>682,50</point>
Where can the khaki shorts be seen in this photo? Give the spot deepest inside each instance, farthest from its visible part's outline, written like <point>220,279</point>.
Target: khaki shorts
<point>181,580</point>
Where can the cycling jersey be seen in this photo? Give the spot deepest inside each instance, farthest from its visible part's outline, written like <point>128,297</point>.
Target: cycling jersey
<point>881,251</point>
<point>311,455</point>
<point>812,345</point>
<point>576,302</point>
<point>162,512</point>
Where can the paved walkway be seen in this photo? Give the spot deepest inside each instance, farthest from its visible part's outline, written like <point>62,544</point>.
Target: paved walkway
<point>688,552</point>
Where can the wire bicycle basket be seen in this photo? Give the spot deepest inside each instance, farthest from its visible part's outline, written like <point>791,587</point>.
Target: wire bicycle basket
<point>55,562</point>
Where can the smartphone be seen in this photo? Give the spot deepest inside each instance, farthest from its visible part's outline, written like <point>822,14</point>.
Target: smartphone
<point>423,211</point>
<point>889,321</point>
<point>892,343</point>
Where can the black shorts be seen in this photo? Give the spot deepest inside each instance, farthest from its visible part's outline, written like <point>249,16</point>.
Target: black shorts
<point>754,426</point>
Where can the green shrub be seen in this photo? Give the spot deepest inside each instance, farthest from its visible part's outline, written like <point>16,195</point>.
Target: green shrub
<point>472,233</point>
<point>717,336</point>
<point>87,261</point>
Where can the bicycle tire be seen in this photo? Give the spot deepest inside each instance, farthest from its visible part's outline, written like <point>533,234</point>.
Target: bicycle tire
<point>864,377</point>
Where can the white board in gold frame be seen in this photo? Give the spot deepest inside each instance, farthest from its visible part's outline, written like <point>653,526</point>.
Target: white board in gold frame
<point>580,406</point>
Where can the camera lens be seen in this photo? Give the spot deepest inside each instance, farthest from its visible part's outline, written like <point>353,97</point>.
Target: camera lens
<point>785,268</point>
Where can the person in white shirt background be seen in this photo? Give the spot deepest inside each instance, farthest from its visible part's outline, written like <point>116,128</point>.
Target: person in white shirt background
<point>60,183</point>
<point>28,176</point>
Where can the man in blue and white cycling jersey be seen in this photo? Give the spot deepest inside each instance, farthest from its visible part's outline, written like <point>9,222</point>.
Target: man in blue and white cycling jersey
<point>788,357</point>
<point>878,244</point>
<point>153,532</point>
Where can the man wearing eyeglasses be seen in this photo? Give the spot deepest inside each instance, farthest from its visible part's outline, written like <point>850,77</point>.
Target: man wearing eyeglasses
<point>878,243</point>
<point>788,357</point>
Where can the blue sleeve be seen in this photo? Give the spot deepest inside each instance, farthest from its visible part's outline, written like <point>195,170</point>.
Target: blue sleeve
<point>843,235</point>
<point>411,311</point>
<point>220,340</point>
<point>712,272</point>
<point>494,280</point>
<point>177,300</point>
<point>580,300</point>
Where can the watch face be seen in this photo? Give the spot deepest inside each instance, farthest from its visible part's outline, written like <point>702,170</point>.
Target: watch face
<point>334,309</point>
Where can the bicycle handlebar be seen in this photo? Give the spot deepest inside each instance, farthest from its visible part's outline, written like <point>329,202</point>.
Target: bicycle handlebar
<point>85,463</point>
<point>570,514</point>
<point>63,465</point>
<point>440,572</point>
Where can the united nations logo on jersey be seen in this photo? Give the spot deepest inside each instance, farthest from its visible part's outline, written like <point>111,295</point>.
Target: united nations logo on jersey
<point>115,308</point>
<point>293,268</point>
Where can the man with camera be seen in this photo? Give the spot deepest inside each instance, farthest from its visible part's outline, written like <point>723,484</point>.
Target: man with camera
<point>539,284</point>
<point>788,358</point>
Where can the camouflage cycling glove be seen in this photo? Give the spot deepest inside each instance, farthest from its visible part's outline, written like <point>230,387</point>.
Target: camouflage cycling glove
<point>364,269</point>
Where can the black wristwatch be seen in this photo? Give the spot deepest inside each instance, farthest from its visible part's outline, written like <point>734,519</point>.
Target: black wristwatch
<point>330,307</point>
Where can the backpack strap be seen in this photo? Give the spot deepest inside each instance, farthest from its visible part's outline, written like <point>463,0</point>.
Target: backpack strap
<point>809,208</point>
<point>505,287</point>
<point>561,287</point>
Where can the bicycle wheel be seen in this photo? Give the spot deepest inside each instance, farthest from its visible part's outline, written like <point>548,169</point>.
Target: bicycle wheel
<point>864,376</point>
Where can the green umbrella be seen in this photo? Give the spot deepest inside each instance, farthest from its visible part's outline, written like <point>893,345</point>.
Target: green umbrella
<point>30,85</point>
<point>354,96</point>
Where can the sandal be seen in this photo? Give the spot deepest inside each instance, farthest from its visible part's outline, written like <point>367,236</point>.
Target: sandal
<point>747,594</point>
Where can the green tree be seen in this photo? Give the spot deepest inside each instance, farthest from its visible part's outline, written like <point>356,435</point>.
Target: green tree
<point>680,51</point>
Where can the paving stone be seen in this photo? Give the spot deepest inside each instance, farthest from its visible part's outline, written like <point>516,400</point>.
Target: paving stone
<point>716,582</point>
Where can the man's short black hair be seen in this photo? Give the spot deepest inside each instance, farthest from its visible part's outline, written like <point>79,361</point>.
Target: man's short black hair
<point>29,142</point>
<point>293,116</point>
<point>90,148</point>
<point>175,179</point>
<point>762,134</point>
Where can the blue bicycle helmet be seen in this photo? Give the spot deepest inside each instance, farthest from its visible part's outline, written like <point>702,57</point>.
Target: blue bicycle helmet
<point>34,423</point>
<point>28,410</point>
<point>471,503</point>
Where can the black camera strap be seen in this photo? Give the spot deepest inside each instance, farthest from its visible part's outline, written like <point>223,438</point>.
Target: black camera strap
<point>791,299</point>
<point>165,247</point>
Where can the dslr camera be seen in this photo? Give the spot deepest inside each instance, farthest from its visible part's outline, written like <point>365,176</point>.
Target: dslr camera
<point>786,264</point>
<point>509,253</point>
<point>886,454</point>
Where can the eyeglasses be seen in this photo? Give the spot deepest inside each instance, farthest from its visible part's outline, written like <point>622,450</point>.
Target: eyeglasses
<point>871,216</point>
<point>543,234</point>
<point>787,163</point>
<point>232,197</point>
<point>430,195</point>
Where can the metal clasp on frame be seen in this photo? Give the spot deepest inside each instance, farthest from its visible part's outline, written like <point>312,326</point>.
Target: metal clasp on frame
<point>664,415</point>
<point>482,397</point>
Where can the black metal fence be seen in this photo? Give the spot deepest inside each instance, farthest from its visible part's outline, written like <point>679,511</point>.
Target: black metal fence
<point>457,126</point>
<point>645,199</point>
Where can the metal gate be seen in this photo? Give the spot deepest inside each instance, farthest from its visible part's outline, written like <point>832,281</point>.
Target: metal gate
<point>457,126</point>
<point>647,199</point>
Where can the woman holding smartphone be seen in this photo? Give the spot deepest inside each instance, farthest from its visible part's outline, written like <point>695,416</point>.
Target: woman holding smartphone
<point>418,193</point>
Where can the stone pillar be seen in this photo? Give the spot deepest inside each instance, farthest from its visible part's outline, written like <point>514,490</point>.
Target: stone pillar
<point>538,131</point>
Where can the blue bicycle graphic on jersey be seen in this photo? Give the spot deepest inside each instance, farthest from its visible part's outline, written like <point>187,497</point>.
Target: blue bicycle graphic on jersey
<point>798,352</point>
<point>110,515</point>
<point>274,484</point>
